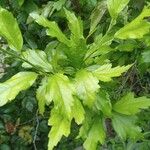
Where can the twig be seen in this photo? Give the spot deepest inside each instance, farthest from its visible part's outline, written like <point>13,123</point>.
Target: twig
<point>36,131</point>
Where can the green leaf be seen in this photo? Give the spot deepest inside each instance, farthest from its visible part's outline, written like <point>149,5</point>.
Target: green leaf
<point>129,105</point>
<point>146,56</point>
<point>60,126</point>
<point>116,6</point>
<point>20,2</point>
<point>100,46</point>
<point>75,26</point>
<point>10,88</point>
<point>78,111</point>
<point>96,135</point>
<point>37,58</point>
<point>87,123</point>
<point>125,126</point>
<point>43,95</point>
<point>61,91</point>
<point>9,30</point>
<point>103,103</point>
<point>53,29</point>
<point>106,72</point>
<point>86,86</point>
<point>97,15</point>
<point>137,28</point>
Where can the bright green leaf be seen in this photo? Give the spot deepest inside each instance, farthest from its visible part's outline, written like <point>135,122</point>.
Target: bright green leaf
<point>38,58</point>
<point>129,105</point>
<point>87,123</point>
<point>10,88</point>
<point>125,126</point>
<point>61,91</point>
<point>86,86</point>
<point>106,72</point>
<point>60,126</point>
<point>53,29</point>
<point>43,95</point>
<point>9,30</point>
<point>116,6</point>
<point>96,135</point>
<point>137,28</point>
<point>78,111</point>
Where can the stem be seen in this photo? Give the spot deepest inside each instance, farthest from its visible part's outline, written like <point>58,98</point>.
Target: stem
<point>24,60</point>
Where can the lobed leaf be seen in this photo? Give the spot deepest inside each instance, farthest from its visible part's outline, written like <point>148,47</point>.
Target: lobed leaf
<point>75,26</point>
<point>96,135</point>
<point>116,6</point>
<point>60,126</point>
<point>103,103</point>
<point>53,29</point>
<point>125,126</point>
<point>78,111</point>
<point>129,105</point>
<point>137,28</point>
<point>61,92</point>
<point>106,72</point>
<point>86,86</point>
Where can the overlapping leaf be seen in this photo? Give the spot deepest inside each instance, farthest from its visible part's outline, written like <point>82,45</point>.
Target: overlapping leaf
<point>60,126</point>
<point>10,88</point>
<point>61,92</point>
<point>96,135</point>
<point>78,111</point>
<point>137,28</point>
<point>86,86</point>
<point>116,6</point>
<point>37,58</point>
<point>43,95</point>
<point>103,103</point>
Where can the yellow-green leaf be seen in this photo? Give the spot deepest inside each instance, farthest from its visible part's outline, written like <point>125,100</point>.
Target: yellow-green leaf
<point>106,72</point>
<point>137,28</point>
<point>60,126</point>
<point>53,28</point>
<point>96,135</point>
<point>86,86</point>
<point>10,88</point>
<point>38,58</point>
<point>61,91</point>
<point>116,6</point>
<point>78,111</point>
<point>43,95</point>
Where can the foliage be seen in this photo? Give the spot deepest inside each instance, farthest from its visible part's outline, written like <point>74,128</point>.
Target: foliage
<point>71,69</point>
